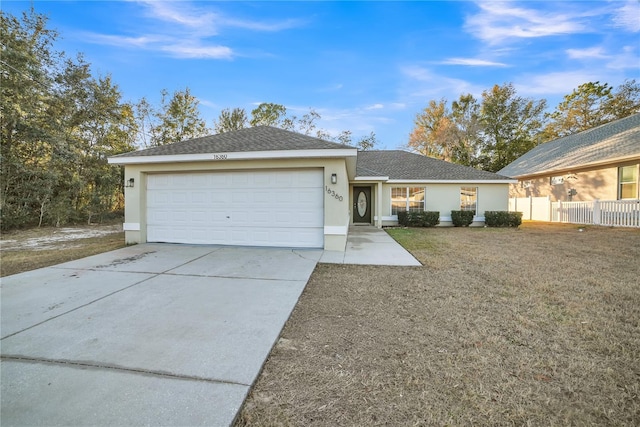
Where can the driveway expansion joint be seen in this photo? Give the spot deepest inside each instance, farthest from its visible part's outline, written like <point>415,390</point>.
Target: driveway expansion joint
<point>136,371</point>
<point>81,306</point>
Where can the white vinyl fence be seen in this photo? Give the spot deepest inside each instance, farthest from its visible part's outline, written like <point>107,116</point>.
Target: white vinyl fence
<point>615,213</point>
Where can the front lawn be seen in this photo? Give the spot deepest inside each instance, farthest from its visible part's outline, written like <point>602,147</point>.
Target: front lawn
<point>534,326</point>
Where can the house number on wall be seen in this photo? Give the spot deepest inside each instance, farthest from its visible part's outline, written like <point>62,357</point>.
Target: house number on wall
<point>333,194</point>
<point>219,157</point>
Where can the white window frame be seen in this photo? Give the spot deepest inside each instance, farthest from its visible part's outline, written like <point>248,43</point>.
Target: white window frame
<point>477,197</point>
<point>620,183</point>
<point>407,200</point>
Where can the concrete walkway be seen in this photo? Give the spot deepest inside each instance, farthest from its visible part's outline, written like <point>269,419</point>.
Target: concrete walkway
<point>369,245</point>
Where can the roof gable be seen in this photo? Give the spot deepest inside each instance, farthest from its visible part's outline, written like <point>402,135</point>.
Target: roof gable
<point>609,142</point>
<point>402,165</point>
<point>258,138</point>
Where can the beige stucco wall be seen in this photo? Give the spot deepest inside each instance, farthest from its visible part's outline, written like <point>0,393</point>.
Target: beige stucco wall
<point>589,184</point>
<point>445,197</point>
<point>336,211</point>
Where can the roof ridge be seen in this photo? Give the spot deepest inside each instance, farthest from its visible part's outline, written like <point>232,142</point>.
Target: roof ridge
<point>249,139</point>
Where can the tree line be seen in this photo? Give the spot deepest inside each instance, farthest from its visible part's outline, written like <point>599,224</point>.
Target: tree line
<point>178,119</point>
<point>59,124</point>
<point>491,132</point>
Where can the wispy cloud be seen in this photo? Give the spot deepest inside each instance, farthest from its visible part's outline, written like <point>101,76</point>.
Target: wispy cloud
<point>194,51</point>
<point>500,22</point>
<point>627,17</point>
<point>422,83</point>
<point>124,41</point>
<point>558,83</point>
<point>472,62</point>
<point>183,14</point>
<point>331,88</point>
<point>184,30</point>
<point>591,52</point>
<point>628,59</point>
<point>206,21</point>
<point>374,107</point>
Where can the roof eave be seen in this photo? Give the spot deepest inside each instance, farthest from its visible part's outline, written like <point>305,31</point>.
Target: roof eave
<point>452,181</point>
<point>577,167</point>
<point>248,155</point>
<point>371,178</point>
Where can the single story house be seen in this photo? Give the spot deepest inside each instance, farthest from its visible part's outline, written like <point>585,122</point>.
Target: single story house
<point>600,163</point>
<point>264,186</point>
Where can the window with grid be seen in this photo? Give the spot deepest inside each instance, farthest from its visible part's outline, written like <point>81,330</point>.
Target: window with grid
<point>407,199</point>
<point>628,182</point>
<point>469,199</point>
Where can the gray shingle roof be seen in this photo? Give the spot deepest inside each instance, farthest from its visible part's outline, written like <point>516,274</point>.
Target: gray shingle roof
<point>397,164</point>
<point>259,138</point>
<point>611,141</point>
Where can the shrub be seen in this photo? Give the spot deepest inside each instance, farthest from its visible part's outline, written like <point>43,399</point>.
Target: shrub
<point>418,219</point>
<point>462,218</point>
<point>502,219</point>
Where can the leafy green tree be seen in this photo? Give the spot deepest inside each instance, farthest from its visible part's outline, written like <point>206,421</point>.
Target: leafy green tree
<point>583,109</point>
<point>58,126</point>
<point>465,115</point>
<point>178,119</point>
<point>625,101</point>
<point>510,126</point>
<point>268,114</point>
<point>230,120</point>
<point>592,104</point>
<point>487,134</point>
<point>433,133</point>
<point>26,57</point>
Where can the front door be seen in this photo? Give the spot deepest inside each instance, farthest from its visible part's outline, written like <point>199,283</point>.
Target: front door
<point>361,205</point>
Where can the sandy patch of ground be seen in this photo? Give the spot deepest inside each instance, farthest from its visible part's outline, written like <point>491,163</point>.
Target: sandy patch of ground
<point>51,238</point>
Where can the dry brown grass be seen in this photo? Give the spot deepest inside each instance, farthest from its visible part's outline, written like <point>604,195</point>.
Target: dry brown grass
<point>536,326</point>
<point>19,254</point>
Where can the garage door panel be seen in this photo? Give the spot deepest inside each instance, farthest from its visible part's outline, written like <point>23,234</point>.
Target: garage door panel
<point>178,198</point>
<point>257,208</point>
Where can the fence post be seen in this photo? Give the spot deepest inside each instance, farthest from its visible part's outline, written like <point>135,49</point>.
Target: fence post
<point>596,212</point>
<point>560,216</point>
<point>549,208</point>
<point>530,207</point>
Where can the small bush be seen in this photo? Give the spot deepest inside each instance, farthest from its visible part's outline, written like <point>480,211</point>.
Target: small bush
<point>502,219</point>
<point>418,219</point>
<point>462,218</point>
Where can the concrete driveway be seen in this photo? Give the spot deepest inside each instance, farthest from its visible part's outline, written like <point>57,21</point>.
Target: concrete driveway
<point>150,334</point>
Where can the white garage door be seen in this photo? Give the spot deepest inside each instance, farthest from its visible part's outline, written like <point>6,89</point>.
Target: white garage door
<point>251,208</point>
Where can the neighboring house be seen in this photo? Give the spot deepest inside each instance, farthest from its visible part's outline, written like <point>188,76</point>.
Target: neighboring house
<point>601,163</point>
<point>265,186</point>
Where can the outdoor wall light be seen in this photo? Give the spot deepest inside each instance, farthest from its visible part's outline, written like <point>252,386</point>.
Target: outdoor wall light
<point>334,178</point>
<point>129,183</point>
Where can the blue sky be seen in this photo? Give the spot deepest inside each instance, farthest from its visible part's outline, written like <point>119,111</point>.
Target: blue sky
<point>364,66</point>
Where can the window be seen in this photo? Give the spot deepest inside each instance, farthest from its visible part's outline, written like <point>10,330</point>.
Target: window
<point>557,180</point>
<point>525,184</point>
<point>407,199</point>
<point>628,182</point>
<point>469,199</point>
